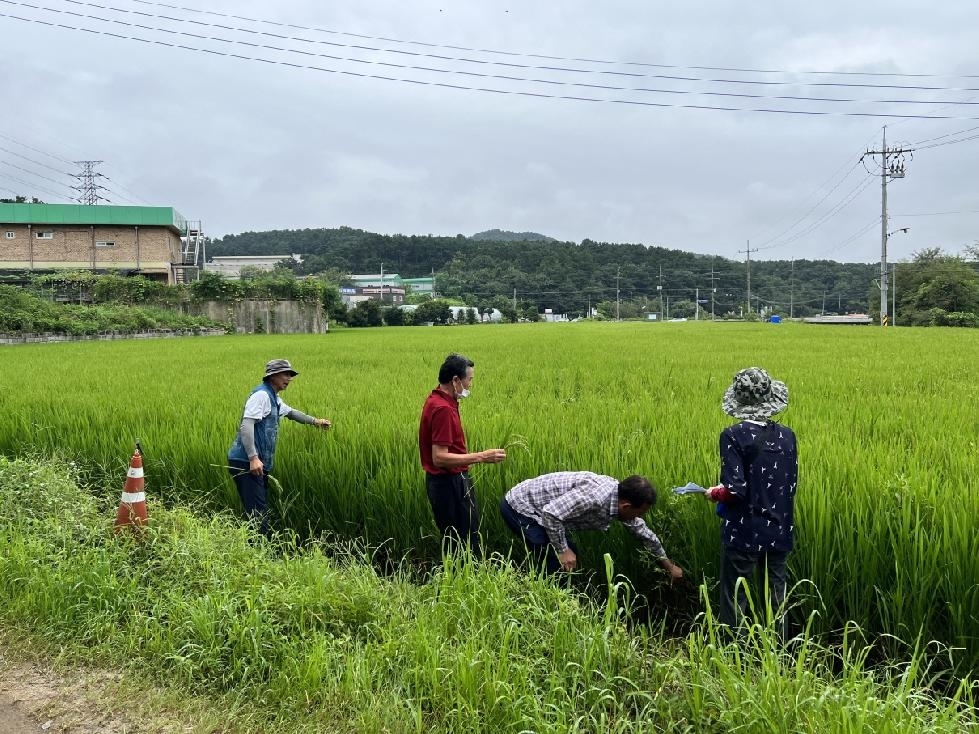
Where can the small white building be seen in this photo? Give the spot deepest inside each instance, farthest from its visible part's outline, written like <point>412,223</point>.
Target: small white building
<point>549,315</point>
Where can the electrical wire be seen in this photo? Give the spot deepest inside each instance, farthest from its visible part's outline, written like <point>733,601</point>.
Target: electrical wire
<point>844,202</point>
<point>814,206</point>
<point>948,142</point>
<point>131,197</point>
<point>10,191</point>
<point>859,233</point>
<point>32,173</point>
<point>36,150</point>
<point>508,65</point>
<point>26,158</point>
<point>31,186</point>
<point>517,92</point>
<point>815,192</point>
<point>511,54</point>
<point>935,214</point>
<point>135,197</point>
<point>941,137</point>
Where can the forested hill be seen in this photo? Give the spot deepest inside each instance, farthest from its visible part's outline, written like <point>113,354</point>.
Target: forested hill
<point>502,235</point>
<point>567,276</point>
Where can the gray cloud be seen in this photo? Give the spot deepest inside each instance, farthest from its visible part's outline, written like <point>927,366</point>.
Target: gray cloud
<point>245,145</point>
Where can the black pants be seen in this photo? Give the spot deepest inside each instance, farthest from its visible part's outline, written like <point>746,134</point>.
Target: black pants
<point>456,512</point>
<point>253,492</point>
<point>764,574</point>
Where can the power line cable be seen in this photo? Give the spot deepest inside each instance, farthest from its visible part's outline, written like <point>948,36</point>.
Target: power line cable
<point>508,77</point>
<point>814,193</point>
<point>515,92</point>
<point>32,173</point>
<point>36,150</point>
<point>122,188</point>
<point>847,199</point>
<point>10,191</point>
<point>941,137</point>
<point>936,214</point>
<point>512,54</point>
<point>816,205</point>
<point>484,63</point>
<point>863,230</point>
<point>32,186</point>
<point>56,170</point>
<point>26,158</point>
<point>948,142</point>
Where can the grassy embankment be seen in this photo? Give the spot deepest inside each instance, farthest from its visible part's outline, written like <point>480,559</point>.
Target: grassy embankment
<point>311,642</point>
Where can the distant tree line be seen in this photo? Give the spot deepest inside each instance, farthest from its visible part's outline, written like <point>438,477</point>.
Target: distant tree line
<point>568,277</point>
<point>937,289</point>
<point>521,279</point>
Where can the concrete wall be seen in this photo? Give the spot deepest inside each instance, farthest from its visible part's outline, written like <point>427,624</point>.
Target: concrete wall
<point>264,317</point>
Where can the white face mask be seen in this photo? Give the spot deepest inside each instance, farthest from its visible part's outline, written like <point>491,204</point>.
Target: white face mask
<point>463,394</point>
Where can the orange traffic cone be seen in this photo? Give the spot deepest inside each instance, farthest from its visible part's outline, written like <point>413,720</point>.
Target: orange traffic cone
<point>132,506</point>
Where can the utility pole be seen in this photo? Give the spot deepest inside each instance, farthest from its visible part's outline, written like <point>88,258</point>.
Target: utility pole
<point>382,284</point>
<point>617,272</point>
<point>659,289</point>
<point>88,189</point>
<point>791,288</point>
<point>894,294</point>
<point>891,166</point>
<point>696,299</point>
<point>747,251</point>
<point>713,288</point>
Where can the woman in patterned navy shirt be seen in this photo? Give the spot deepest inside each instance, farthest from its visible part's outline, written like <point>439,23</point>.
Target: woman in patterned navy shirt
<point>756,496</point>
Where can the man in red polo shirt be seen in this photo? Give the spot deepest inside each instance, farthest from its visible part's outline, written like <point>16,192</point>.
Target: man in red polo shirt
<point>445,458</point>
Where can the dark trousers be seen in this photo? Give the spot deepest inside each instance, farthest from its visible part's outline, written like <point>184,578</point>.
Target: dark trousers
<point>534,537</point>
<point>253,492</point>
<point>456,512</point>
<point>761,572</point>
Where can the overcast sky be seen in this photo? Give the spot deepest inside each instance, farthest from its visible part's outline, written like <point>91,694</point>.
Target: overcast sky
<point>246,145</point>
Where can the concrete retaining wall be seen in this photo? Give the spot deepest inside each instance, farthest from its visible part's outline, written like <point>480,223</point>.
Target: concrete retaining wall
<point>264,317</point>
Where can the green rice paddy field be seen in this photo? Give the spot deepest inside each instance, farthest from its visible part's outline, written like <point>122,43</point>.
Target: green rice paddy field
<point>888,500</point>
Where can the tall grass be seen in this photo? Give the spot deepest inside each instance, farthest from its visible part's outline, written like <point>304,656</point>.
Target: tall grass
<point>886,507</point>
<point>305,642</point>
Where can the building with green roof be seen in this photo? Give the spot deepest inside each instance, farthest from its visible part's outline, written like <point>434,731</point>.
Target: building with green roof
<point>153,241</point>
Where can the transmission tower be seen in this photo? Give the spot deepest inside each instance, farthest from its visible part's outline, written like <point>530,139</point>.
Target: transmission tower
<point>88,188</point>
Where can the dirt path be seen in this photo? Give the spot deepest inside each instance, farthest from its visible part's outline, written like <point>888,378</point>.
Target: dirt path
<point>13,720</point>
<point>35,697</point>
<point>32,701</point>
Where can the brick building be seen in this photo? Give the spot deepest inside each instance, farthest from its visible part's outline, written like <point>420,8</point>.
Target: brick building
<point>155,242</point>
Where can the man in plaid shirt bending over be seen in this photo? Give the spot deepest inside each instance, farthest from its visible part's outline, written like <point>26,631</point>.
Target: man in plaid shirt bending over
<point>544,509</point>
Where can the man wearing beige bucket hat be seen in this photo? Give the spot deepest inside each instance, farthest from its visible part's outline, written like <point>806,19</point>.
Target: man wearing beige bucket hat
<point>756,497</point>
<point>251,455</point>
